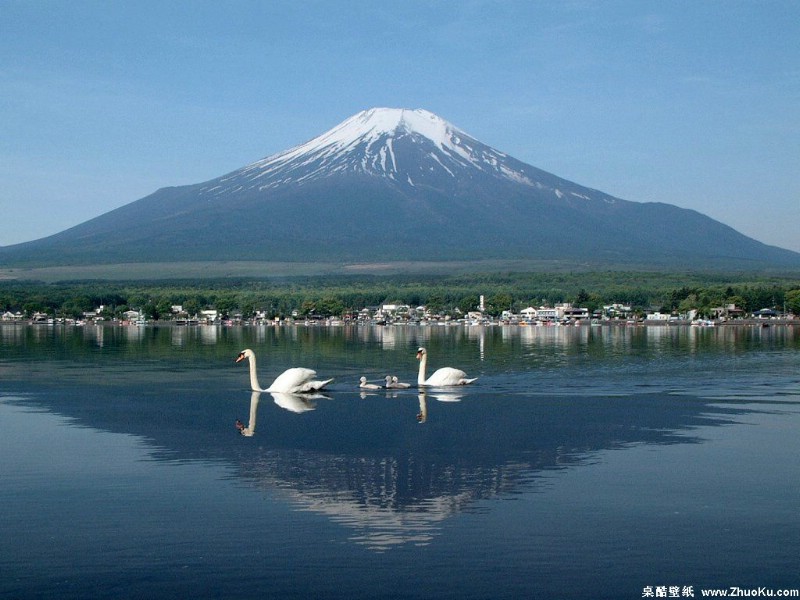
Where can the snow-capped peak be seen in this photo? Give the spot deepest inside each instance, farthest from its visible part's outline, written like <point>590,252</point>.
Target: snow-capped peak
<point>407,146</point>
<point>375,122</point>
<point>371,126</point>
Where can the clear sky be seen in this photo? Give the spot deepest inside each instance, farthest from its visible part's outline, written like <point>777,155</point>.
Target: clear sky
<point>693,103</point>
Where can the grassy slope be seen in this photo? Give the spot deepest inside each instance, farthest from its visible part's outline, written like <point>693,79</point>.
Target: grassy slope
<point>563,275</point>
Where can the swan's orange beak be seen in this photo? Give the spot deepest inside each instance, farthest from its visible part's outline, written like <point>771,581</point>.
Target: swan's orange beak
<point>419,355</point>
<point>240,357</point>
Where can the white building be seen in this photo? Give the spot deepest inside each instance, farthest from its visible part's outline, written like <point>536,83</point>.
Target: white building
<point>545,313</point>
<point>657,316</point>
<point>209,315</point>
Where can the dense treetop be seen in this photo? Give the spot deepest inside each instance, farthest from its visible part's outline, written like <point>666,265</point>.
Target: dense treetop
<point>326,296</point>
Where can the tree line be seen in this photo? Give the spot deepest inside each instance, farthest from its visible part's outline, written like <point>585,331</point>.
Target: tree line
<point>336,296</point>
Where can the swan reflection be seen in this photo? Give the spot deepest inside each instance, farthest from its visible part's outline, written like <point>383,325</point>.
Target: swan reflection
<point>422,415</point>
<point>297,403</point>
<point>250,430</point>
<point>441,396</point>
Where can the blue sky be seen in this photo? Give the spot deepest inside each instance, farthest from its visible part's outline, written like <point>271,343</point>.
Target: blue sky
<point>692,103</point>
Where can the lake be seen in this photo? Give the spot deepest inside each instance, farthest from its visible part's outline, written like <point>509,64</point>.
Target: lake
<point>585,462</point>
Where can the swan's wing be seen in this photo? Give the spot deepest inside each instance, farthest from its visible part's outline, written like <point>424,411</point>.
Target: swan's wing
<point>312,386</point>
<point>291,379</point>
<point>446,376</point>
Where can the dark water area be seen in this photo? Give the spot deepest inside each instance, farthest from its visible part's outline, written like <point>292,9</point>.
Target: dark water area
<point>585,462</point>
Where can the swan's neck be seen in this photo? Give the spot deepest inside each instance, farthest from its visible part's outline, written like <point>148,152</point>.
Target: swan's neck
<point>253,375</point>
<point>423,365</point>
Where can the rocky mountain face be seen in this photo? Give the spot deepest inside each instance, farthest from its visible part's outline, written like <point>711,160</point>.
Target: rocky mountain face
<point>397,185</point>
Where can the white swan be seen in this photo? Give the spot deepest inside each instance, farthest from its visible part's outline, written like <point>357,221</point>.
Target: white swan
<point>368,386</point>
<point>392,383</point>
<point>292,381</point>
<point>445,376</point>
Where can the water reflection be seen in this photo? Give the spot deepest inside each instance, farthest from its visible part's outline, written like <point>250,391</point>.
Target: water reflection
<point>368,472</point>
<point>422,416</point>
<point>364,496</point>
<point>250,430</point>
<point>209,334</point>
<point>439,395</point>
<point>386,500</point>
<point>548,399</point>
<point>180,335</point>
<point>389,337</point>
<point>297,403</point>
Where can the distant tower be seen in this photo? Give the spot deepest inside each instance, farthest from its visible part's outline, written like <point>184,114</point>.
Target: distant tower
<point>482,306</point>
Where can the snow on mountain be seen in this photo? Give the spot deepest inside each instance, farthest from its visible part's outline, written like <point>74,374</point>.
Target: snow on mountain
<point>375,142</point>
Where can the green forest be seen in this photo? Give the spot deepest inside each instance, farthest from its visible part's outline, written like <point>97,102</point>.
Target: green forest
<point>340,295</point>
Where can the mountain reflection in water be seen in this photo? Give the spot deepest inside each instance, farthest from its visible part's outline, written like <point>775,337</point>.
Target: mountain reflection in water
<point>396,483</point>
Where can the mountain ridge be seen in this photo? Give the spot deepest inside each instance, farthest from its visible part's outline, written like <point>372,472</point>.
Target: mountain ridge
<point>396,185</point>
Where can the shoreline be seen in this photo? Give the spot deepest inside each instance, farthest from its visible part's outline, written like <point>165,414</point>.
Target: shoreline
<point>335,322</point>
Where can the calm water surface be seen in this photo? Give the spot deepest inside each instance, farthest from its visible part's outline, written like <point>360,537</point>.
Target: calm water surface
<point>584,463</point>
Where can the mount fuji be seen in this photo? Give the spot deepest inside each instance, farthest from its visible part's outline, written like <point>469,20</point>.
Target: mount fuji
<point>396,185</point>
